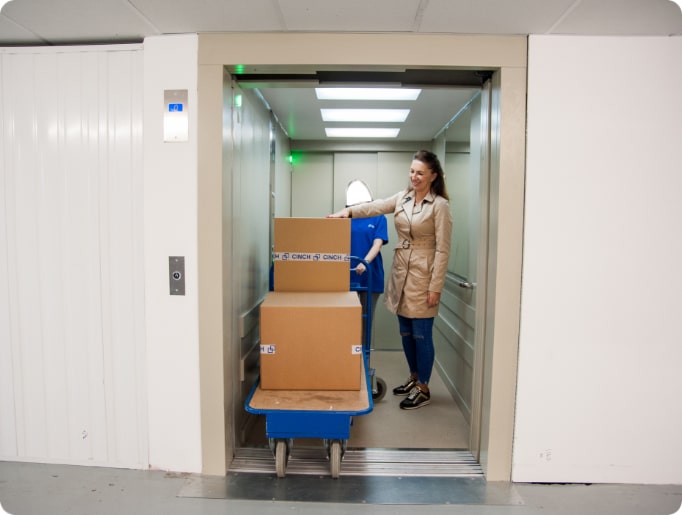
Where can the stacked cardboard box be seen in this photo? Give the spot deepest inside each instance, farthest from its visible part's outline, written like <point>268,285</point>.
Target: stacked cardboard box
<point>311,254</point>
<point>311,325</point>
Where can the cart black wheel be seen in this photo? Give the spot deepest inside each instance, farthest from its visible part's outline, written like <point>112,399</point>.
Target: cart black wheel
<point>281,456</point>
<point>335,459</point>
<point>380,390</point>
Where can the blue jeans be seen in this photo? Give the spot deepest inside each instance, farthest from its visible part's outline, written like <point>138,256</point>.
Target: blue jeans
<point>417,336</point>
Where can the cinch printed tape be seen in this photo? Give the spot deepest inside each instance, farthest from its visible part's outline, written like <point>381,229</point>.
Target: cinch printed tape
<point>310,256</point>
<point>267,349</point>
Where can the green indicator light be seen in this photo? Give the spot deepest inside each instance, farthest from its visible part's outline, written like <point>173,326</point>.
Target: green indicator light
<point>291,158</point>
<point>238,100</point>
<point>239,68</point>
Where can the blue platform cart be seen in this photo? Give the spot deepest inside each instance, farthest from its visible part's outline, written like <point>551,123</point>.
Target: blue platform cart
<point>317,414</point>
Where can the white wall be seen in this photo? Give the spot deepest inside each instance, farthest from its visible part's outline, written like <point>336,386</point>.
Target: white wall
<point>90,214</point>
<point>72,327</point>
<point>600,355</point>
<point>170,229</point>
<point>599,345</point>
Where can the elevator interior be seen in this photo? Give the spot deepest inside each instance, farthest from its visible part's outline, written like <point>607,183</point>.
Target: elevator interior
<point>458,132</point>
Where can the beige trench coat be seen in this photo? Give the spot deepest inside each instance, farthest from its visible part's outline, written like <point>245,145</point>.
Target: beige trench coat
<point>420,259</point>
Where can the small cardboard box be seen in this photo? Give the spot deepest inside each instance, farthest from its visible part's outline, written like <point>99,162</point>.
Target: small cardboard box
<point>311,341</point>
<point>312,254</point>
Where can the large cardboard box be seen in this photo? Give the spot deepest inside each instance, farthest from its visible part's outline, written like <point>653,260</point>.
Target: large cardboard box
<point>311,341</point>
<point>312,254</point>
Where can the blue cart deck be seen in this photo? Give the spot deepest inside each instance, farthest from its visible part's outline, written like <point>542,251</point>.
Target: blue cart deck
<point>352,402</point>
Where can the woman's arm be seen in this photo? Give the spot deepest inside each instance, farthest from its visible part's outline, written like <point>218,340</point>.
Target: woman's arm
<point>443,231</point>
<point>374,208</point>
<point>343,213</point>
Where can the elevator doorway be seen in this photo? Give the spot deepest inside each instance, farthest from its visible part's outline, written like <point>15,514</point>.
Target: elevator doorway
<point>223,368</point>
<point>446,425</point>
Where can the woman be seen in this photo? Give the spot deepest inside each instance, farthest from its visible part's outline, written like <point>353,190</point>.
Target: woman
<point>423,223</point>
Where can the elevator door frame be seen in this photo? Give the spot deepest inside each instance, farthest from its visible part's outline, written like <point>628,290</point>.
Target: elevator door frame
<point>507,56</point>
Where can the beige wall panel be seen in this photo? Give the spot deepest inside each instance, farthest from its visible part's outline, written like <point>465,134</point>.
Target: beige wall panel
<point>210,280</point>
<point>353,50</point>
<point>312,185</point>
<point>349,166</point>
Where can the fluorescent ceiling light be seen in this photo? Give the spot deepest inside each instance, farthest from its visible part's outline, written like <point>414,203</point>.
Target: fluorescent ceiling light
<point>367,93</point>
<point>364,115</point>
<point>341,132</point>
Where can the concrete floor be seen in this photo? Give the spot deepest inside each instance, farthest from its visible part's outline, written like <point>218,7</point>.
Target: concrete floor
<point>44,489</point>
<point>39,489</point>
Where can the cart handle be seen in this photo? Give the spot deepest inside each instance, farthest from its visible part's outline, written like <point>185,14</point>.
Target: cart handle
<point>367,344</point>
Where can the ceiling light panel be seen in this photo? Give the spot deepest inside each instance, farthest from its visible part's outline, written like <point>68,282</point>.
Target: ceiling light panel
<point>346,132</point>
<point>367,93</point>
<point>365,115</point>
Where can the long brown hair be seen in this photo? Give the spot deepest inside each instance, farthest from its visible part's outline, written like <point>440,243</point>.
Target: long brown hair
<point>431,160</point>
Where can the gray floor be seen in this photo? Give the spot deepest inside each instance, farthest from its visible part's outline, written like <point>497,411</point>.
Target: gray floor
<point>440,425</point>
<point>38,489</point>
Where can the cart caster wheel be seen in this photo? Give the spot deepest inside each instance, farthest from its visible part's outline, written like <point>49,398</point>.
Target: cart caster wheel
<point>281,458</point>
<point>335,459</point>
<point>380,390</point>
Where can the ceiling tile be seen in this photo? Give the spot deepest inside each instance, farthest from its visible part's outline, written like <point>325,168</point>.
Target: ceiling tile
<point>350,15</point>
<point>78,20</point>
<point>492,16</point>
<point>13,34</point>
<point>617,17</point>
<point>176,16</point>
<point>43,22</point>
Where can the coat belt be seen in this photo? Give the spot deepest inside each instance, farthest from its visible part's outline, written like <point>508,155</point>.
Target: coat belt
<point>417,244</point>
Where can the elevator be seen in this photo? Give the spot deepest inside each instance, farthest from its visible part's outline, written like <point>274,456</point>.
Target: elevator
<point>229,162</point>
<point>307,178</point>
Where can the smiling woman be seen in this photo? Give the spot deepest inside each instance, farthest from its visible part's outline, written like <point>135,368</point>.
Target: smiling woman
<point>424,225</point>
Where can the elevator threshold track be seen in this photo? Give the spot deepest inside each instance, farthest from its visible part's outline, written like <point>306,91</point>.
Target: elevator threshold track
<point>363,462</point>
